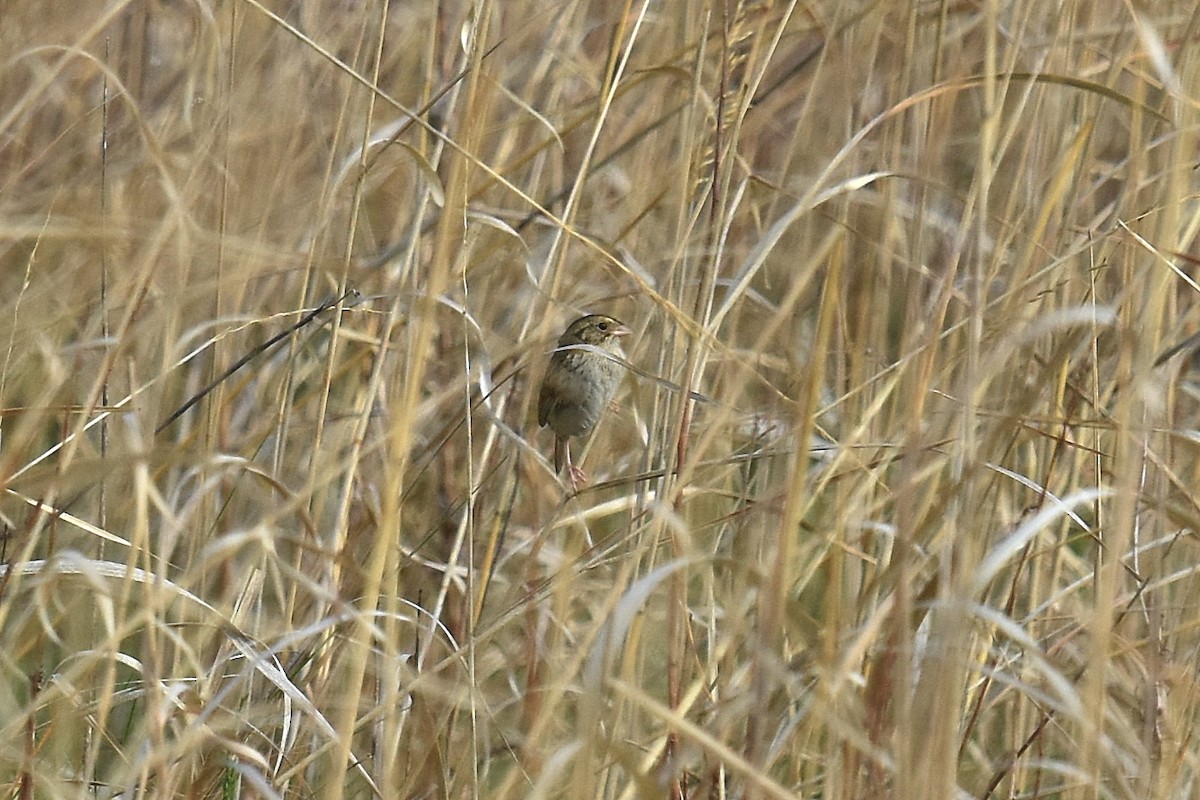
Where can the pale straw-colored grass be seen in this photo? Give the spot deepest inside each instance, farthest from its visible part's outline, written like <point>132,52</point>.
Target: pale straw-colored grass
<point>894,502</point>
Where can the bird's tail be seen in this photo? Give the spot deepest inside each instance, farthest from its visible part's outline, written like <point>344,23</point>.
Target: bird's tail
<point>560,452</point>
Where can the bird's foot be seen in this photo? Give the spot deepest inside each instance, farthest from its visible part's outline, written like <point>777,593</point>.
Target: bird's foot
<point>577,475</point>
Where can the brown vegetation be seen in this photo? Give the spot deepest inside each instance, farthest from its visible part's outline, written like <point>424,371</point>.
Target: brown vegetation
<point>895,503</point>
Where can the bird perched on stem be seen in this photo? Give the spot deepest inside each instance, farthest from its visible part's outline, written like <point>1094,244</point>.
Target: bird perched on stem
<point>580,382</point>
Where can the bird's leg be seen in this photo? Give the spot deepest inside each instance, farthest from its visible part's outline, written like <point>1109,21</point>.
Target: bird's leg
<point>562,452</point>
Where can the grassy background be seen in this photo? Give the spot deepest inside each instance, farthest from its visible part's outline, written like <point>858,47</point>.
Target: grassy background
<point>927,530</point>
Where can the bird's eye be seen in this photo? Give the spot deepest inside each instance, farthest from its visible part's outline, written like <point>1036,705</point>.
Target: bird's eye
<point>603,326</point>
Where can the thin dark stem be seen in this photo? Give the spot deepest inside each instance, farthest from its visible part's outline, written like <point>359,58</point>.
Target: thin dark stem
<point>244,360</point>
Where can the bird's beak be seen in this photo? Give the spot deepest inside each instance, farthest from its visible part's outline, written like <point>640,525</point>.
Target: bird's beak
<point>621,331</point>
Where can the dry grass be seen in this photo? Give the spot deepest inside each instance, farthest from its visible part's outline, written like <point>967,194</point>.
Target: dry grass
<point>928,529</point>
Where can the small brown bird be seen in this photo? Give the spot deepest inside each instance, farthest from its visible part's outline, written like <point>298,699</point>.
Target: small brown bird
<point>580,383</point>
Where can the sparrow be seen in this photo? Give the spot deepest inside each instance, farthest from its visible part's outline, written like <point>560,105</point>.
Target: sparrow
<point>580,382</point>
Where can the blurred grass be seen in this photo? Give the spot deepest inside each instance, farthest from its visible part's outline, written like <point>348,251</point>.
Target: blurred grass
<point>928,531</point>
